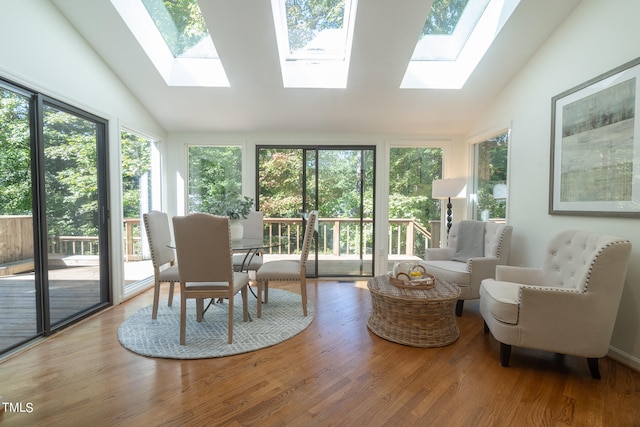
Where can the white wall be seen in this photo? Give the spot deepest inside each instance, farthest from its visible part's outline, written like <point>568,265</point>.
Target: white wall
<point>42,51</point>
<point>597,37</point>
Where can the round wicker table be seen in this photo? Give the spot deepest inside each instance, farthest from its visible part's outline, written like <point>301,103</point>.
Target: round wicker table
<point>415,317</point>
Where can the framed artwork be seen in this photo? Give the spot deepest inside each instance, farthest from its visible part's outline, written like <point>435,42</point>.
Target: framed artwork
<point>595,146</point>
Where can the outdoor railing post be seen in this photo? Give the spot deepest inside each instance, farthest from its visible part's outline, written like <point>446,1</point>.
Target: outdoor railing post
<point>336,238</point>
<point>409,238</point>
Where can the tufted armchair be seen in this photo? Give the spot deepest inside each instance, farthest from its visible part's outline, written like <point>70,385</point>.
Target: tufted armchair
<point>568,306</point>
<point>473,251</point>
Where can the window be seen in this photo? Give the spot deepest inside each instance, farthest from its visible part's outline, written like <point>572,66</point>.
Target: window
<point>182,27</point>
<point>175,38</point>
<point>414,217</point>
<point>140,170</point>
<point>490,179</point>
<point>456,35</point>
<point>215,173</point>
<point>314,40</point>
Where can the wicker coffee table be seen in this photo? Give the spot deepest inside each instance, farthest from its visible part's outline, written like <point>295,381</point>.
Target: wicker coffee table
<point>415,317</point>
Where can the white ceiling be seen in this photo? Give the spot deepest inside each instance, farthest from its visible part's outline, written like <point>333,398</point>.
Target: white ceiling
<point>385,35</point>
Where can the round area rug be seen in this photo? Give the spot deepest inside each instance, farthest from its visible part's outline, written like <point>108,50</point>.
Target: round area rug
<point>281,319</point>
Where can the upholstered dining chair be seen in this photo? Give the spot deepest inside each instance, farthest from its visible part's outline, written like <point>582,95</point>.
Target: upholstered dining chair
<point>253,226</point>
<point>568,306</point>
<point>203,248</point>
<point>288,270</point>
<point>165,268</point>
<point>473,251</point>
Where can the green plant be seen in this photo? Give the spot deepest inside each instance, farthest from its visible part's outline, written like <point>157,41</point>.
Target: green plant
<point>235,207</point>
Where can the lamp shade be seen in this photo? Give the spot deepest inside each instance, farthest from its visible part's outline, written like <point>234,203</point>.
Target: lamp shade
<point>455,188</point>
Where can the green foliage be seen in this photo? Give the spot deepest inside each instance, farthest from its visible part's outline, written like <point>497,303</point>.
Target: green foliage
<point>444,16</point>
<point>280,182</point>
<point>15,157</point>
<point>214,173</point>
<point>136,168</point>
<point>235,207</point>
<point>411,173</point>
<point>306,18</point>
<point>491,160</point>
<point>179,21</point>
<point>71,178</point>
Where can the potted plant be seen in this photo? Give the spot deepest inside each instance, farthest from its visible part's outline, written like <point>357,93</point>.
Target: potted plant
<point>236,207</point>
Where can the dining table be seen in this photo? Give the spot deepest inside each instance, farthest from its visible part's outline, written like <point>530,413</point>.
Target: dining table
<point>250,246</point>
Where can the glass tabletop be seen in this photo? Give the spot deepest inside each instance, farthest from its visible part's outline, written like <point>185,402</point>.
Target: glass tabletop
<point>255,244</point>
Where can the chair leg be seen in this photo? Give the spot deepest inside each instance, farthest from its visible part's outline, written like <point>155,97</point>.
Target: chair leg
<point>156,299</point>
<point>505,354</point>
<point>593,367</point>
<point>230,341</point>
<point>183,318</point>
<point>459,305</point>
<point>199,309</point>
<point>245,303</point>
<point>303,291</point>
<point>259,297</point>
<point>266,291</point>
<point>486,328</point>
<point>170,302</point>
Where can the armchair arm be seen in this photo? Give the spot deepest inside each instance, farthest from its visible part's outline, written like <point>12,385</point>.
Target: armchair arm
<point>555,320</point>
<point>524,275</point>
<point>439,254</point>
<point>480,268</point>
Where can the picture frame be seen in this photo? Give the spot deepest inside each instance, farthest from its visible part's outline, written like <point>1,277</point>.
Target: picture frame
<point>595,146</point>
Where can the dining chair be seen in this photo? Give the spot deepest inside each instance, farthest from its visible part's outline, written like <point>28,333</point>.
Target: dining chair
<point>288,270</point>
<point>165,268</point>
<point>203,248</point>
<point>253,229</point>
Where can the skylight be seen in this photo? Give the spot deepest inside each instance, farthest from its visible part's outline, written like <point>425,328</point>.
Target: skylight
<point>176,39</point>
<point>314,41</point>
<point>456,35</point>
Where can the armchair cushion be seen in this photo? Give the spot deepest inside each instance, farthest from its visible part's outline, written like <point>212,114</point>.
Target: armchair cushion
<point>501,298</point>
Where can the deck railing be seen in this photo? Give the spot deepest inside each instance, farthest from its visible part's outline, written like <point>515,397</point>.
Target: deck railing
<point>336,236</point>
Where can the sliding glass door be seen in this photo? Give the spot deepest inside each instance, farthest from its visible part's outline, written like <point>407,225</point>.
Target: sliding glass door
<point>73,162</point>
<point>18,308</point>
<point>338,182</point>
<point>53,215</point>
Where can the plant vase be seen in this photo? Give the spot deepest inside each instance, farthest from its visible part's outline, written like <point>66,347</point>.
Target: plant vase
<point>236,228</point>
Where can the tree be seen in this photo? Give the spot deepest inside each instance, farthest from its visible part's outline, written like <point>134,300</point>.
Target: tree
<point>71,178</point>
<point>15,155</point>
<point>136,167</point>
<point>306,18</point>
<point>444,16</point>
<point>180,22</point>
<point>214,173</point>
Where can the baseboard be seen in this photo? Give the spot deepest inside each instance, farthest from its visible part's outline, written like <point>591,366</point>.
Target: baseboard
<point>625,358</point>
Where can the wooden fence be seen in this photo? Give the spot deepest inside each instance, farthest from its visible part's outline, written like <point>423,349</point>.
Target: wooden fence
<point>336,236</point>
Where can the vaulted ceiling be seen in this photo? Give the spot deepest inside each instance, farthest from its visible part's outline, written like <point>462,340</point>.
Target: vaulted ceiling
<point>385,35</point>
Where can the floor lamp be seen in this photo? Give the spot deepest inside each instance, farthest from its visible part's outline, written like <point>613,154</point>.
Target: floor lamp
<point>453,188</point>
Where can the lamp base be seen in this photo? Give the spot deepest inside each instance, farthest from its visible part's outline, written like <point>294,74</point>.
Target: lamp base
<point>449,216</point>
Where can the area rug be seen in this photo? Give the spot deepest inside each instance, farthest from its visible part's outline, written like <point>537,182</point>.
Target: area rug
<point>281,319</point>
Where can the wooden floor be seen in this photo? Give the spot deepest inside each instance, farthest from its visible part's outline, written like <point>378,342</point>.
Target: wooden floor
<point>335,373</point>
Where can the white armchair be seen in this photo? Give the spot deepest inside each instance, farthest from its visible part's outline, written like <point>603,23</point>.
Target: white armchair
<point>473,251</point>
<point>568,306</point>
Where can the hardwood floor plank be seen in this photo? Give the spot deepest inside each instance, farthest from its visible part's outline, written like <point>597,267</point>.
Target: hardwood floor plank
<point>336,372</point>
